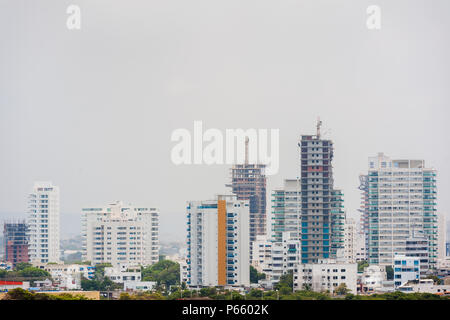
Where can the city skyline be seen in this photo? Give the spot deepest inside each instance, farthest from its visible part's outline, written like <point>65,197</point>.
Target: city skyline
<point>68,230</point>
<point>93,110</point>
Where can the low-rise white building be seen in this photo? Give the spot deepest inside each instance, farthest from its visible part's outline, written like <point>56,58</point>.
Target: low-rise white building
<point>326,275</point>
<point>67,276</point>
<point>424,286</point>
<point>9,285</point>
<point>374,280</point>
<point>406,269</point>
<point>444,263</point>
<point>6,265</point>
<point>139,285</point>
<point>122,273</point>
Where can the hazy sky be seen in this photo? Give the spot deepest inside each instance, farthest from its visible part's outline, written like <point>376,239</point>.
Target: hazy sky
<point>92,110</point>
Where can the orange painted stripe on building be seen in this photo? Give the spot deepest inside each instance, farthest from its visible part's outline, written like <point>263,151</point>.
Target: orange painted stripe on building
<point>221,242</point>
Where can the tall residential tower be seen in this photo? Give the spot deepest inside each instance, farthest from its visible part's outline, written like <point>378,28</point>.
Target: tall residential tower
<point>15,242</point>
<point>218,242</point>
<point>309,207</point>
<point>43,223</point>
<point>120,234</point>
<point>402,199</point>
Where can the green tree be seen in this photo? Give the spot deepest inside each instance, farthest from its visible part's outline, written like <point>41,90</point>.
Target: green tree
<point>21,294</point>
<point>164,272</point>
<point>255,294</point>
<point>342,289</point>
<point>389,273</point>
<point>436,279</point>
<point>3,273</point>
<point>208,292</point>
<point>255,276</point>
<point>100,270</point>
<point>286,281</point>
<point>22,265</point>
<point>361,265</point>
<point>32,272</point>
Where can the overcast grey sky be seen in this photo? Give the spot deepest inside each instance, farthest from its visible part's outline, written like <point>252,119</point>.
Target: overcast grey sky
<point>93,110</point>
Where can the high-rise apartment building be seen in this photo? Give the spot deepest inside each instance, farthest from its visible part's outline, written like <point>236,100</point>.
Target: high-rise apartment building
<point>248,182</point>
<point>120,234</point>
<point>218,242</point>
<point>43,223</point>
<point>15,239</point>
<point>442,234</point>
<point>276,258</point>
<point>350,237</point>
<point>309,208</point>
<point>363,230</point>
<point>402,198</point>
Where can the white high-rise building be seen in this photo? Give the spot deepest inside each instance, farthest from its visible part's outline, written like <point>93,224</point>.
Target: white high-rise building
<point>120,234</point>
<point>401,198</point>
<point>361,247</point>
<point>276,258</point>
<point>218,242</point>
<point>442,234</point>
<point>350,245</point>
<point>43,222</point>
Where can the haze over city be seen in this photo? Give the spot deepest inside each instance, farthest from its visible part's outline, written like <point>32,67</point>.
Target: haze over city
<point>93,111</point>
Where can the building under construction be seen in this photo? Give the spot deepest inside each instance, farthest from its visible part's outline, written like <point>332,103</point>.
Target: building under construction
<point>15,242</point>
<point>248,182</point>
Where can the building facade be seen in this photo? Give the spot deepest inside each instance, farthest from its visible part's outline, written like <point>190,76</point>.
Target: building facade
<point>417,247</point>
<point>68,276</point>
<point>373,279</point>
<point>15,237</point>
<point>441,236</point>
<point>276,258</point>
<point>363,230</point>
<point>406,269</point>
<point>402,197</point>
<point>309,208</point>
<point>43,223</point>
<point>120,234</point>
<point>248,182</point>
<point>218,242</point>
<point>326,275</point>
<point>350,237</point>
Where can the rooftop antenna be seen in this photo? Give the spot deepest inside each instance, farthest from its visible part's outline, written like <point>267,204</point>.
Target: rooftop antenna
<point>246,150</point>
<point>319,124</point>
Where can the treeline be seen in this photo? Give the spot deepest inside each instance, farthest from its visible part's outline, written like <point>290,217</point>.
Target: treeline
<point>24,272</point>
<point>257,294</point>
<point>165,273</point>
<point>21,294</point>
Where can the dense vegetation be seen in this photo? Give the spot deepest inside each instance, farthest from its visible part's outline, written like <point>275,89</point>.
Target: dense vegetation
<point>255,276</point>
<point>21,294</point>
<point>24,272</point>
<point>165,272</point>
<point>257,294</point>
<point>361,265</point>
<point>99,281</point>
